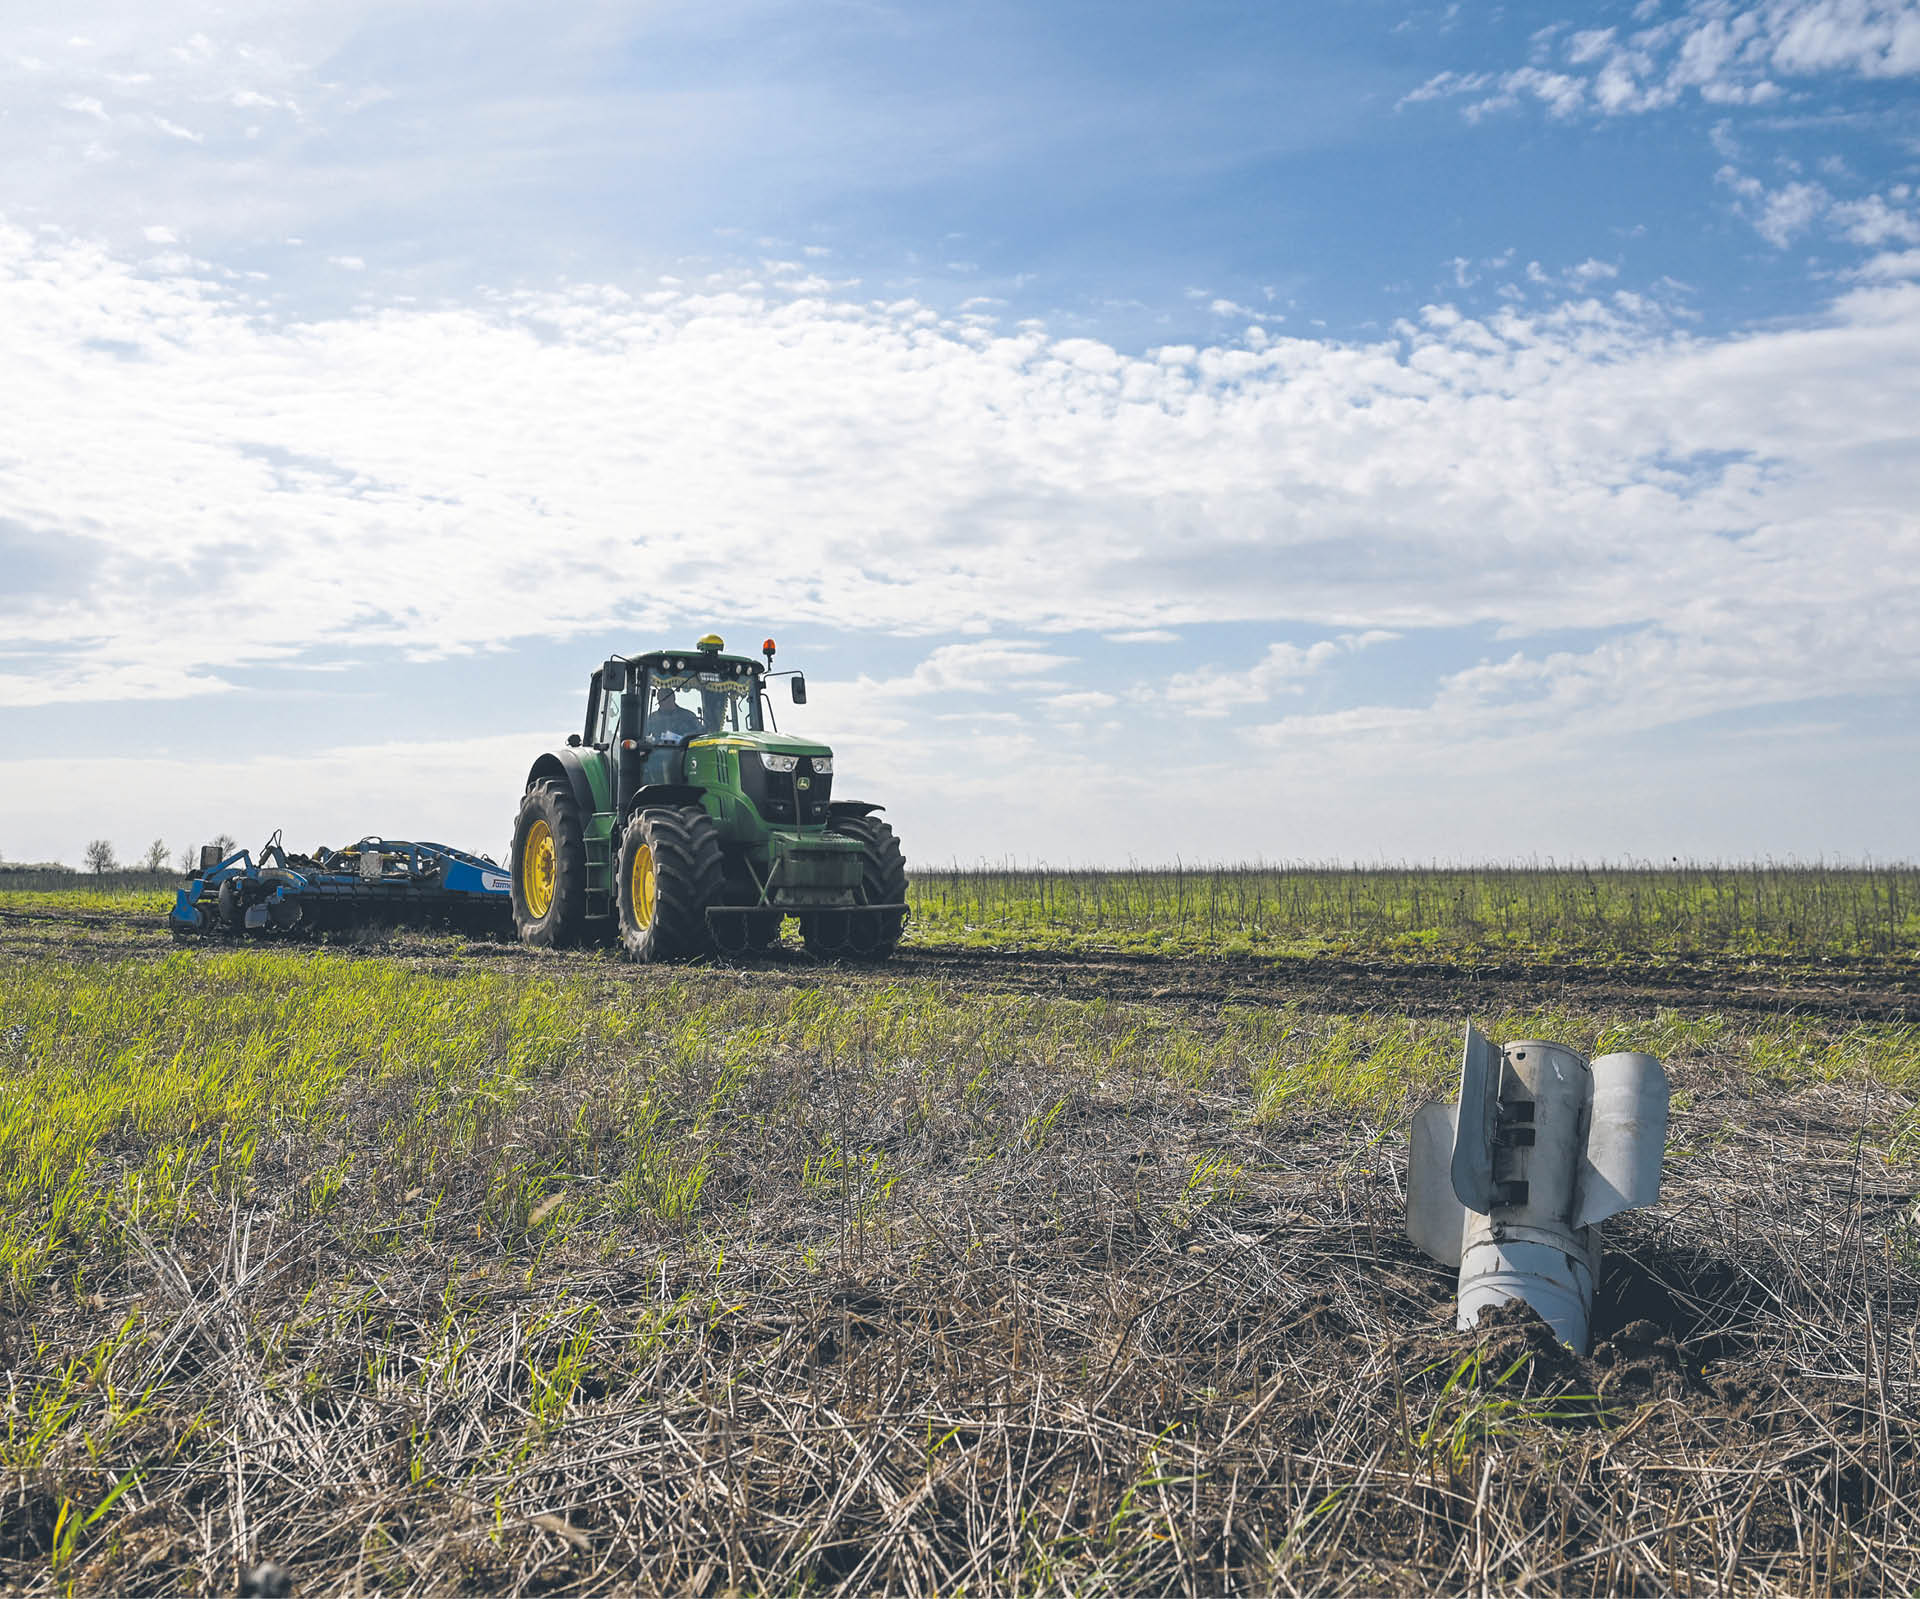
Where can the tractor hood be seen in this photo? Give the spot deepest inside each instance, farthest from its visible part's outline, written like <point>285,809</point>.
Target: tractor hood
<point>764,743</point>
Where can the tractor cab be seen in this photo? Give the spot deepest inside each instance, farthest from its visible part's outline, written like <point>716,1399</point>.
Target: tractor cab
<point>648,713</point>
<point>683,703</point>
<point>669,698</point>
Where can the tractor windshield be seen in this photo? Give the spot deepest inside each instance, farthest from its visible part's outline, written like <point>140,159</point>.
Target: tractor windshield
<point>692,704</point>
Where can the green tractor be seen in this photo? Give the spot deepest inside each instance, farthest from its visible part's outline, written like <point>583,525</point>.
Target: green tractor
<point>679,821</point>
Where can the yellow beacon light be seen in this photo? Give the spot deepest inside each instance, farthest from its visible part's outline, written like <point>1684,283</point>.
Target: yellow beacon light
<point>713,644</point>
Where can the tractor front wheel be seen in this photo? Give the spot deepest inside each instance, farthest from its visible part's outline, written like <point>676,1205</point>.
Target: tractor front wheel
<point>883,881</point>
<point>549,868</point>
<point>669,873</point>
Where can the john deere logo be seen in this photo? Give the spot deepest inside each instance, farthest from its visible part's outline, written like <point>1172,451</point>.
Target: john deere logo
<point>805,782</point>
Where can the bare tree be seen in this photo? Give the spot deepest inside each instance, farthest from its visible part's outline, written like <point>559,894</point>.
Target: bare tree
<point>100,857</point>
<point>156,860</point>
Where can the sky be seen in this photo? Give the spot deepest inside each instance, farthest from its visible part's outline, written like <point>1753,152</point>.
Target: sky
<point>1201,433</point>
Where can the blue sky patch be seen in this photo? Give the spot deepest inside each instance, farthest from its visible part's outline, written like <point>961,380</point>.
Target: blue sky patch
<point>1158,431</point>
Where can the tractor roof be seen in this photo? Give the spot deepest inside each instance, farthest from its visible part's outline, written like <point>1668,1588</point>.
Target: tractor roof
<point>694,659</point>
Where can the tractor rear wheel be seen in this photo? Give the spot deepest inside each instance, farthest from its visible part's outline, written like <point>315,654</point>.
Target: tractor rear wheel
<point>883,881</point>
<point>549,868</point>
<point>669,873</point>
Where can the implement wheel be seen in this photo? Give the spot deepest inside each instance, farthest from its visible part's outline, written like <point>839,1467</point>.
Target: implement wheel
<point>669,873</point>
<point>883,881</point>
<point>549,868</point>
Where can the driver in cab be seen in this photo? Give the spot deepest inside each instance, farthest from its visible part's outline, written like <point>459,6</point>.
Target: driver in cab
<point>670,722</point>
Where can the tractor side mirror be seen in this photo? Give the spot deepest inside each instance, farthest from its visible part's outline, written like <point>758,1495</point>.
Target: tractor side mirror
<point>613,677</point>
<point>573,741</point>
<point>799,688</point>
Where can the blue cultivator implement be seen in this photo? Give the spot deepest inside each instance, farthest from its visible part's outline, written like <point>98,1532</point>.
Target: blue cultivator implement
<point>379,881</point>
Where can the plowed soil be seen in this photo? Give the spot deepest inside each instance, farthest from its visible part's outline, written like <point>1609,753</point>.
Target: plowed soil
<point>1835,988</point>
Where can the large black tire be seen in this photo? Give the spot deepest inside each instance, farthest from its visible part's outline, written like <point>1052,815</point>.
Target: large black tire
<point>883,881</point>
<point>549,868</point>
<point>669,872</point>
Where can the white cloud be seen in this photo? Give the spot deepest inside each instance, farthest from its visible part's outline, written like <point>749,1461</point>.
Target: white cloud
<point>1213,692</point>
<point>1725,53</point>
<point>1591,44</point>
<point>1081,703</point>
<point>1891,265</point>
<point>1563,95</point>
<point>1873,222</point>
<point>1447,85</point>
<point>1876,38</point>
<point>1781,215</point>
<point>1790,211</point>
<point>1777,215</point>
<point>992,666</point>
<point>1565,701</point>
<point>1736,515</point>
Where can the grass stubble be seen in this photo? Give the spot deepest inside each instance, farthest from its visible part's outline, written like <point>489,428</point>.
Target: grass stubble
<point>421,1275</point>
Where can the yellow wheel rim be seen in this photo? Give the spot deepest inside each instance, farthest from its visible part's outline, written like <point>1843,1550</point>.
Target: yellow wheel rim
<point>538,870</point>
<point>643,886</point>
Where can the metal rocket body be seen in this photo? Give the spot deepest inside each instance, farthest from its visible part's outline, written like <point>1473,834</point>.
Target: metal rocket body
<point>1508,1184</point>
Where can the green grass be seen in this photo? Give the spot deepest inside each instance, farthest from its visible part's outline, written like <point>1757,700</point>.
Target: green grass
<point>1411,910</point>
<point>154,902</point>
<point>1403,912</point>
<point>141,1095</point>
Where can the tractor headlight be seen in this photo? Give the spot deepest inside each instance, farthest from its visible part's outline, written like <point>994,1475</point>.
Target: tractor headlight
<point>779,763</point>
<point>823,764</point>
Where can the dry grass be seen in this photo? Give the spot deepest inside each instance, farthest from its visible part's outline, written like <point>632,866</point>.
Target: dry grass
<point>695,1284</point>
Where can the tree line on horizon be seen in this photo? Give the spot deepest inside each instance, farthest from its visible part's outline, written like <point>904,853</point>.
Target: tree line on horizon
<point>99,858</point>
